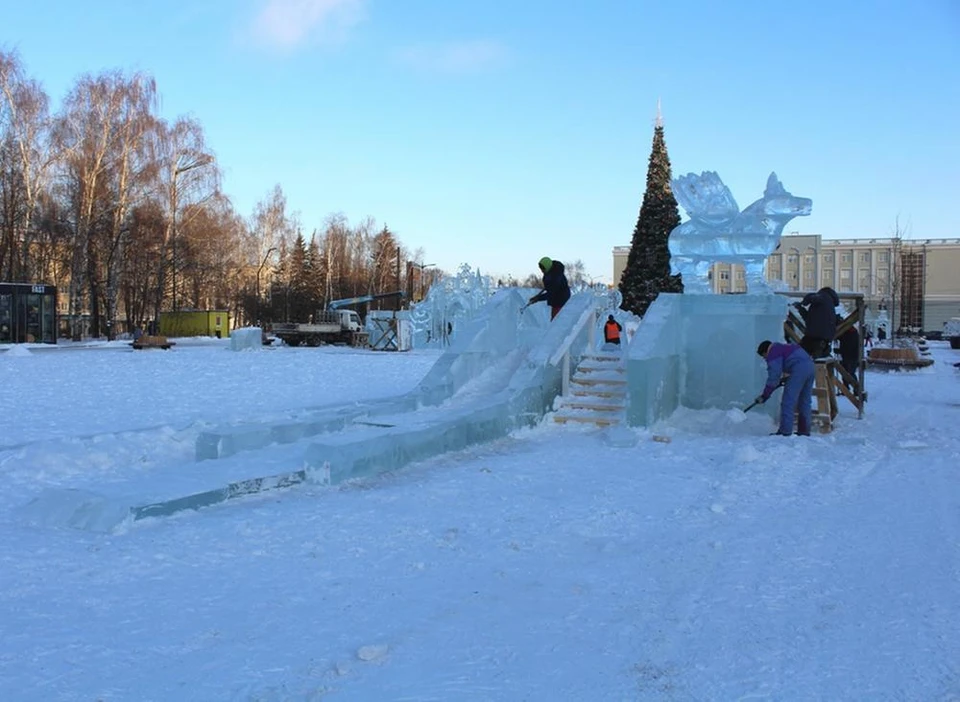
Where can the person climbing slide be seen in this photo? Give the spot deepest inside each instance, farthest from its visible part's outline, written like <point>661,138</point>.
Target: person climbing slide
<point>556,289</point>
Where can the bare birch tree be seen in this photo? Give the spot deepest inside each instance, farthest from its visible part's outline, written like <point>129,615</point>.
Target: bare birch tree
<point>212,240</point>
<point>188,176</point>
<point>84,130</point>
<point>334,254</point>
<point>272,231</point>
<point>25,159</point>
<point>133,170</point>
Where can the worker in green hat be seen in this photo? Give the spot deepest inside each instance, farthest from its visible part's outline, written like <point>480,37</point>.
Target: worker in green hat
<point>556,289</point>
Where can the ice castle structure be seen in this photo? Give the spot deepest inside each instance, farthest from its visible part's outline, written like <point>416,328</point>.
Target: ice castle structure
<point>698,349</point>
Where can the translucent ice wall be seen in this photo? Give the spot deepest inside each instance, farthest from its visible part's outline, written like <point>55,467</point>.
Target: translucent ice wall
<point>480,343</point>
<point>700,351</point>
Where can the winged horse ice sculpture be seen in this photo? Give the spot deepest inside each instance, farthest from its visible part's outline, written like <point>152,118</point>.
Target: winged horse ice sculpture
<point>718,232</point>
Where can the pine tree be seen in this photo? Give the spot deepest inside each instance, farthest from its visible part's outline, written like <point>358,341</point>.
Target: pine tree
<point>647,273</point>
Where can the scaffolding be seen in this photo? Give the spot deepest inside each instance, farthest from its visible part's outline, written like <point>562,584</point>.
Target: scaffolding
<point>912,277</point>
<point>832,379</point>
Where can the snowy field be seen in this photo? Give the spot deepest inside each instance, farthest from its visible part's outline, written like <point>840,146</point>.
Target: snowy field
<point>557,564</point>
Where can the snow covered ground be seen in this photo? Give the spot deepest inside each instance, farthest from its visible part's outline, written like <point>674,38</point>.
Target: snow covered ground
<point>557,564</point>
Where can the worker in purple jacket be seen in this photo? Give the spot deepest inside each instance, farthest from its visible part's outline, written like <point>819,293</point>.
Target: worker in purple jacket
<point>800,369</point>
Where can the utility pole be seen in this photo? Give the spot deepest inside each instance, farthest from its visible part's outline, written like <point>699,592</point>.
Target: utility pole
<point>259,269</point>
<point>398,278</point>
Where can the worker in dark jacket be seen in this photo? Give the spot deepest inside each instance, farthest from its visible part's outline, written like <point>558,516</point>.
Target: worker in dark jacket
<point>556,289</point>
<point>611,331</point>
<point>850,351</point>
<point>797,389</point>
<point>818,311</point>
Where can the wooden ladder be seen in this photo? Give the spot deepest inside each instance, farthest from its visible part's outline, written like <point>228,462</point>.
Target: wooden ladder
<point>825,387</point>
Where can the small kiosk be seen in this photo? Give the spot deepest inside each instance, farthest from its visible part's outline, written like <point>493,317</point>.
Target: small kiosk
<point>28,313</point>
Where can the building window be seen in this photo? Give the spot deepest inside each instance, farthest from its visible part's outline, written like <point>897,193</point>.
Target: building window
<point>739,275</point>
<point>808,275</point>
<point>883,257</point>
<point>846,274</point>
<point>792,258</point>
<point>827,275</point>
<point>828,258</point>
<point>724,275</point>
<point>864,257</point>
<point>845,258</point>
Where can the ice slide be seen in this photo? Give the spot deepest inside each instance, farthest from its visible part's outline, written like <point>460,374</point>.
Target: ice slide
<point>501,373</point>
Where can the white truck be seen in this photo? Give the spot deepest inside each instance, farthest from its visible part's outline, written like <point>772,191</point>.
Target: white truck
<point>333,325</point>
<point>951,332</point>
<point>327,327</point>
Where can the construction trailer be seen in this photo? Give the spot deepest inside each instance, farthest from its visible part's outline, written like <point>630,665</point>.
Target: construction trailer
<point>195,323</point>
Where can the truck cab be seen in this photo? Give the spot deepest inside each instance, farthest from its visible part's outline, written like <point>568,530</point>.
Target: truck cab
<point>350,321</point>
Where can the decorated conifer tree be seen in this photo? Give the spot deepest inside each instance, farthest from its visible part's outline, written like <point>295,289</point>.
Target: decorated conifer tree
<point>647,273</point>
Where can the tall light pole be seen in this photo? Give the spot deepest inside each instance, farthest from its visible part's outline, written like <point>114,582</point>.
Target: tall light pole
<point>259,270</point>
<point>422,266</point>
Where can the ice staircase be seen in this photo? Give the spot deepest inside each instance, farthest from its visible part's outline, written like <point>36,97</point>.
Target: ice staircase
<point>597,392</point>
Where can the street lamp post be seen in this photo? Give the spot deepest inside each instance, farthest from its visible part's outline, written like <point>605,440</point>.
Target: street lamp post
<point>422,266</point>
<point>259,270</point>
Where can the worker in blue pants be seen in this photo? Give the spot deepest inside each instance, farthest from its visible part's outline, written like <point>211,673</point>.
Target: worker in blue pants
<point>798,388</point>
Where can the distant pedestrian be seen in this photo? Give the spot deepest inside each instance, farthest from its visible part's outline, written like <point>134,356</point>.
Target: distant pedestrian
<point>798,387</point>
<point>611,331</point>
<point>556,289</point>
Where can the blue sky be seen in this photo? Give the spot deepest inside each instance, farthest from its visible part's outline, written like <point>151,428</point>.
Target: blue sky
<point>493,133</point>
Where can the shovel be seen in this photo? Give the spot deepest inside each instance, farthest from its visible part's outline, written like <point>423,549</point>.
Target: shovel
<point>737,415</point>
<point>751,406</point>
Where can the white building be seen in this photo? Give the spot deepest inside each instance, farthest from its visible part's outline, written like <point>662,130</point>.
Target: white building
<point>917,280</point>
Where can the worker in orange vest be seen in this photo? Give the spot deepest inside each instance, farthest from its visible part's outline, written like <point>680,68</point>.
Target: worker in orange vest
<point>611,331</point>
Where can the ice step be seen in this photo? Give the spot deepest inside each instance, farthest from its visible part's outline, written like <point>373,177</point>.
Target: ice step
<point>604,357</point>
<point>606,362</point>
<point>606,382</point>
<point>598,404</point>
<point>615,393</point>
<point>601,420</point>
<point>593,369</point>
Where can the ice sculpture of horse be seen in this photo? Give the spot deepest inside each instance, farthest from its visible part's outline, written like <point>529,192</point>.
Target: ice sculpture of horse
<point>718,232</point>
